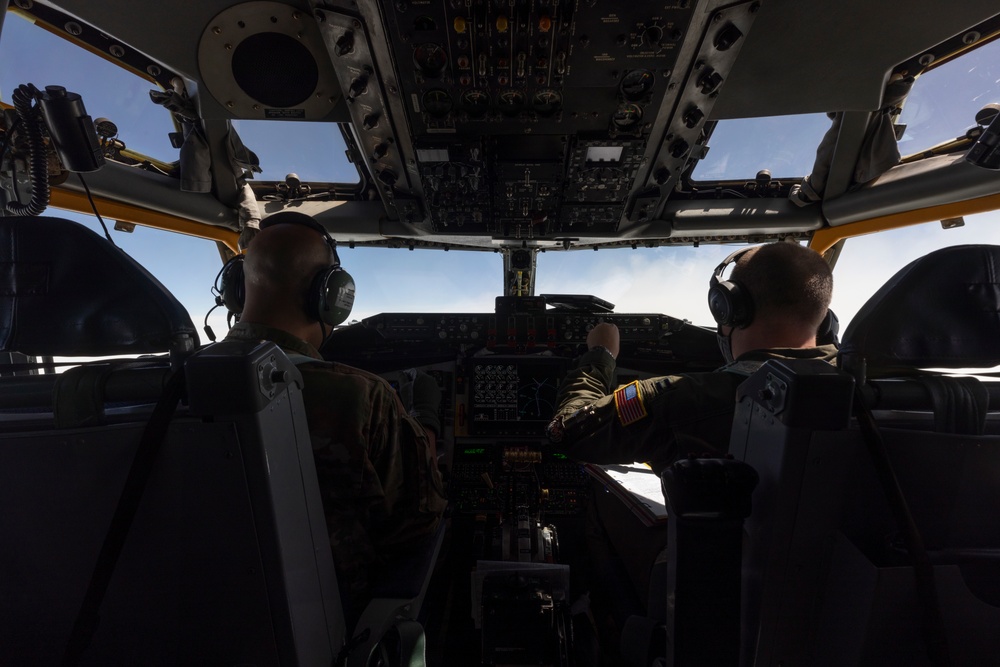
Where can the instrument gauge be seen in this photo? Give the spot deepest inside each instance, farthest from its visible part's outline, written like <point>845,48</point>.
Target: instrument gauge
<point>475,102</point>
<point>437,102</point>
<point>626,116</point>
<point>546,101</point>
<point>430,58</point>
<point>510,101</point>
<point>636,84</point>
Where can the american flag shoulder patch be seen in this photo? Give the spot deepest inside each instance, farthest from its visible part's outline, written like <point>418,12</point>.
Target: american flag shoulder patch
<point>628,403</point>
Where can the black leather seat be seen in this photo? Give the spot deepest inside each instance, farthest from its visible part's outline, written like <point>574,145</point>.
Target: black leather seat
<point>227,560</point>
<point>830,567</point>
<point>939,311</point>
<point>69,292</point>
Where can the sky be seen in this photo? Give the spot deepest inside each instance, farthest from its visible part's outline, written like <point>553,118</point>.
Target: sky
<point>669,280</point>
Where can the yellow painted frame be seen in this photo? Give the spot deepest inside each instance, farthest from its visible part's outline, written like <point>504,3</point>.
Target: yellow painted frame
<point>76,201</point>
<point>824,239</point>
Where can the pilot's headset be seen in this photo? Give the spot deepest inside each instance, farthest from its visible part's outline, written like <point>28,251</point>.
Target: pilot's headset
<point>331,293</point>
<point>732,306</point>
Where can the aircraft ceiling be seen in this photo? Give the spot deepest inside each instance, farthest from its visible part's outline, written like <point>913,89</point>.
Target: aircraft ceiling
<point>549,123</point>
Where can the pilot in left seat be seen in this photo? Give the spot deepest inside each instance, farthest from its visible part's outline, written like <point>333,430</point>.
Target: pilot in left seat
<point>377,470</point>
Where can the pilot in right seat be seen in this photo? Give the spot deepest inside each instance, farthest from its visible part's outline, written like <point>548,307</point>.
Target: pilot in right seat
<point>773,306</point>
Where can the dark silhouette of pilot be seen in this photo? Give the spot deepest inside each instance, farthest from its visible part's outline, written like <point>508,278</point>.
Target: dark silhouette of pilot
<point>378,476</point>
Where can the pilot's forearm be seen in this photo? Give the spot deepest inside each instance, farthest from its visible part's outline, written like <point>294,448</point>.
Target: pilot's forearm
<point>591,380</point>
<point>600,423</point>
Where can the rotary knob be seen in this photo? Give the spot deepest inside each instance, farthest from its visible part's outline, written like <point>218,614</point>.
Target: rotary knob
<point>652,35</point>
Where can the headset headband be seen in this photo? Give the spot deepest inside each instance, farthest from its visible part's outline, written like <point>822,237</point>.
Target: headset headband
<point>732,258</point>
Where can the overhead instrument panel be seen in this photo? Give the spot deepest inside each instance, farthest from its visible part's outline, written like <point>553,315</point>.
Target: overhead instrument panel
<point>531,118</point>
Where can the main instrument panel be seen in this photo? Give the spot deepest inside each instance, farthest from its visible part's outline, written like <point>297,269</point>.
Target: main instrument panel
<point>499,374</point>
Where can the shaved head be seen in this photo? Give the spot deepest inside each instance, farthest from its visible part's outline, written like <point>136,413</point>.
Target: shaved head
<point>281,264</point>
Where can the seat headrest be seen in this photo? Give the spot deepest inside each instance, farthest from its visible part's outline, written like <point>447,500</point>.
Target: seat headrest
<point>65,291</point>
<point>942,310</point>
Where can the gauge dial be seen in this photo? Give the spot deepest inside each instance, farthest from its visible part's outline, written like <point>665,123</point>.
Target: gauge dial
<point>637,83</point>
<point>626,116</point>
<point>437,102</point>
<point>510,101</point>
<point>546,101</point>
<point>430,58</point>
<point>476,102</point>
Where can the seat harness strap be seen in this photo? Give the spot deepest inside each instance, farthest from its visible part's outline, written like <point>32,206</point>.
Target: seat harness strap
<point>150,443</point>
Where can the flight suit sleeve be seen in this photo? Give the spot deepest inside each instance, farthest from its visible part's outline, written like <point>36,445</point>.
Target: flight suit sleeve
<point>401,453</point>
<point>591,380</point>
<point>655,420</point>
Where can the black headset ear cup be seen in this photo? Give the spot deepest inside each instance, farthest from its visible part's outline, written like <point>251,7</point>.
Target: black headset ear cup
<point>829,329</point>
<point>331,296</point>
<point>730,304</point>
<point>232,286</point>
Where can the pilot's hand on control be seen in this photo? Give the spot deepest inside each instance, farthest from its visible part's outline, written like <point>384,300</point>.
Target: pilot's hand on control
<point>422,398</point>
<point>606,335</point>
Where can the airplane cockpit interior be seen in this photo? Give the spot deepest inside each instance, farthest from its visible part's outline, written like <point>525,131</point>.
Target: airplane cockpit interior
<point>158,484</point>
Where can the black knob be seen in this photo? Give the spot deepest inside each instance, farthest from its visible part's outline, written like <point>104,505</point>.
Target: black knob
<point>380,150</point>
<point>726,37</point>
<point>679,148</point>
<point>693,116</point>
<point>370,122</point>
<point>388,177</point>
<point>345,44</point>
<point>358,86</point>
<point>652,35</point>
<point>710,82</point>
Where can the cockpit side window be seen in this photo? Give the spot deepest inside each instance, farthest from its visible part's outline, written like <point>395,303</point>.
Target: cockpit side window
<point>741,147</point>
<point>32,54</point>
<point>315,152</point>
<point>944,101</point>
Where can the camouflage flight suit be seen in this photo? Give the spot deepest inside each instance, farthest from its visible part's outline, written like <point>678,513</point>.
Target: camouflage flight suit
<point>658,420</point>
<point>380,485</point>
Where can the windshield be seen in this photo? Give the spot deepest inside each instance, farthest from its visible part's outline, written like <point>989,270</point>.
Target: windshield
<point>387,279</point>
<point>674,280</point>
<point>668,280</point>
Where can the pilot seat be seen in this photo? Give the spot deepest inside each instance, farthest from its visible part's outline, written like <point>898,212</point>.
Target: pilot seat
<point>872,538</point>
<point>162,510</point>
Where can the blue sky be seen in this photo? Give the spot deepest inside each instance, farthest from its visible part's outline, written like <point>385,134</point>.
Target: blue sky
<point>671,280</point>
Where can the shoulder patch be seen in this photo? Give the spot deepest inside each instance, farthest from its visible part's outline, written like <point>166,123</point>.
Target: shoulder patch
<point>628,403</point>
